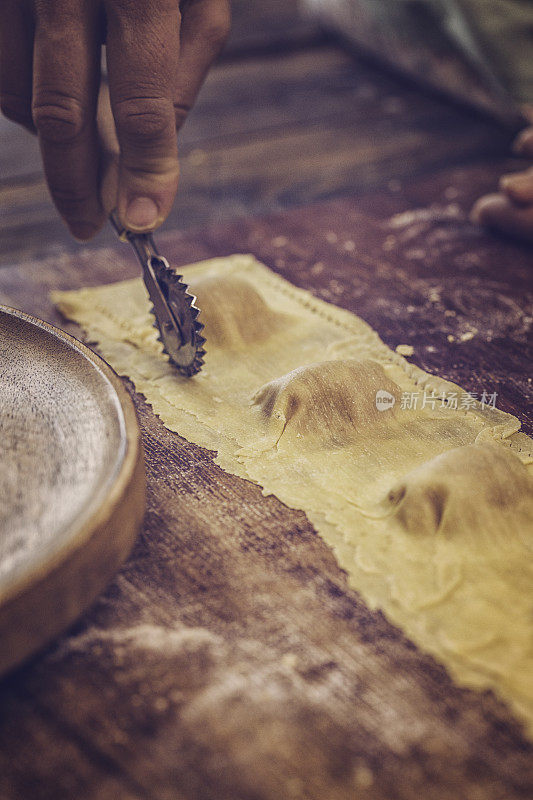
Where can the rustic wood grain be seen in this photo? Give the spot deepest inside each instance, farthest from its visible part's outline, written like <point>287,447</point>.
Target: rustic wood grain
<point>229,659</point>
<point>275,24</point>
<point>269,133</point>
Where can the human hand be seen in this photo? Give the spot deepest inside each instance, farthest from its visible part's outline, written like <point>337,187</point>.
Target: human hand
<point>158,53</point>
<point>511,209</point>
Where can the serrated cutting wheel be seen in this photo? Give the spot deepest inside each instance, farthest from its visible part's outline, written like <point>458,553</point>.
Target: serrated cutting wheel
<point>181,337</point>
<point>173,306</point>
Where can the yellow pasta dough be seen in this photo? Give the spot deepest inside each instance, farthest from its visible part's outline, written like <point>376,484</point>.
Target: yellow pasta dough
<point>426,500</point>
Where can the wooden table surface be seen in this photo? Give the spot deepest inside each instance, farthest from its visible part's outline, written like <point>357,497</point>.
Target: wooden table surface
<point>269,132</point>
<point>229,658</point>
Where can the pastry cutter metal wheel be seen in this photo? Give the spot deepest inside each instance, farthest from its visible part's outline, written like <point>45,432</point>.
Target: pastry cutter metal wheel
<point>174,309</point>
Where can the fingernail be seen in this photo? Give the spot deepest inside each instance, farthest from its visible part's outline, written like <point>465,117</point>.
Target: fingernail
<point>506,181</point>
<point>515,183</point>
<point>523,144</point>
<point>142,213</point>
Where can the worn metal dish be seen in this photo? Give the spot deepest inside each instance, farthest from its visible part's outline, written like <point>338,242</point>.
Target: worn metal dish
<point>72,487</point>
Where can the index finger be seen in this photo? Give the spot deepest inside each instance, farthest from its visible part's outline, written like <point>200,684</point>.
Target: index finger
<point>66,73</point>
<point>142,58</point>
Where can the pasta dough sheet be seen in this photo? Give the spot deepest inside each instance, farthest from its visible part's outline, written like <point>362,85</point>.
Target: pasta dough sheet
<point>428,509</point>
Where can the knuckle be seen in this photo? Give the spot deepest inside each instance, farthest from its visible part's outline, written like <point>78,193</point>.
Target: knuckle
<point>58,120</point>
<point>70,197</point>
<point>143,121</point>
<point>154,170</point>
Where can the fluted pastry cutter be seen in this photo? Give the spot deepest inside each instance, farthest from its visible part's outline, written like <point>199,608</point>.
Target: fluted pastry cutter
<point>173,306</point>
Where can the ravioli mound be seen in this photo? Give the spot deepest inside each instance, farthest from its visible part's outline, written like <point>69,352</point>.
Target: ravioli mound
<point>328,402</point>
<point>476,488</point>
<point>428,509</point>
<point>234,313</point>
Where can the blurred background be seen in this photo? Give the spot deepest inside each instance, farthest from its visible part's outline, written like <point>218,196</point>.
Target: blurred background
<point>313,99</point>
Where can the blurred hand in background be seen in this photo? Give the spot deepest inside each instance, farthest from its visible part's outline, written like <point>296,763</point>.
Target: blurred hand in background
<point>511,209</point>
